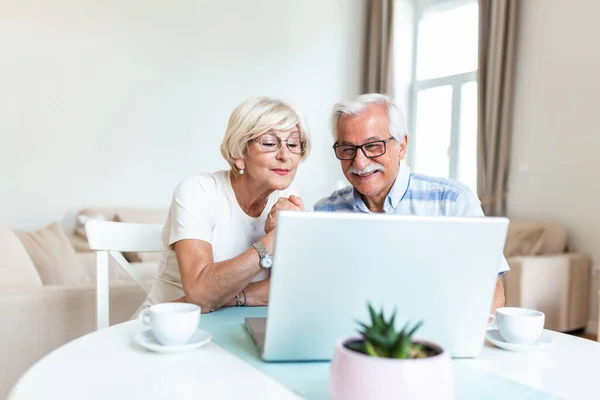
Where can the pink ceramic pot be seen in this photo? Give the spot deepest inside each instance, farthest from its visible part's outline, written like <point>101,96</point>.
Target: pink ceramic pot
<point>357,376</point>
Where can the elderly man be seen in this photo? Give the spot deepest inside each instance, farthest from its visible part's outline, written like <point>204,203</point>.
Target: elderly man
<point>370,142</point>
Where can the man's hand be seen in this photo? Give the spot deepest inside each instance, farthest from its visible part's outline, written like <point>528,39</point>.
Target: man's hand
<point>293,203</point>
<point>499,299</point>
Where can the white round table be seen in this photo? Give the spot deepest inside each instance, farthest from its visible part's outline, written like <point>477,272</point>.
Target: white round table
<point>108,365</point>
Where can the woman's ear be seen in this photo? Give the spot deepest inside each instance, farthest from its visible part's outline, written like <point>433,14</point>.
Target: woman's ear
<point>239,163</point>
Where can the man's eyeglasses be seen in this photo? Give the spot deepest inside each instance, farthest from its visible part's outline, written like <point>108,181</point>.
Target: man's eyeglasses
<point>370,150</point>
<point>270,143</point>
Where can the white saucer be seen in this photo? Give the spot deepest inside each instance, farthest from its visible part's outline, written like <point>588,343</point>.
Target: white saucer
<point>543,343</point>
<point>147,340</point>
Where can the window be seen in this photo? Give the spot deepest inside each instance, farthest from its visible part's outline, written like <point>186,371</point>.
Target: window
<point>443,108</point>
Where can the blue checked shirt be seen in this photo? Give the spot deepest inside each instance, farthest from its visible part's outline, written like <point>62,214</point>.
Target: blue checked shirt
<point>414,194</point>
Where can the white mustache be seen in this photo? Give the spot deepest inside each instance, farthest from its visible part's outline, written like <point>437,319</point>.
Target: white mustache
<point>366,170</point>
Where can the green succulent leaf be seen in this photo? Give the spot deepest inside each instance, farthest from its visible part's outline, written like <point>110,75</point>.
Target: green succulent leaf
<point>370,349</point>
<point>381,339</point>
<point>373,315</point>
<point>392,318</point>
<point>382,319</point>
<point>364,326</point>
<point>357,346</point>
<point>414,329</point>
<point>405,327</point>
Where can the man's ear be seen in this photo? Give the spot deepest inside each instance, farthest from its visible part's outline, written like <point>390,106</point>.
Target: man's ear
<point>403,147</point>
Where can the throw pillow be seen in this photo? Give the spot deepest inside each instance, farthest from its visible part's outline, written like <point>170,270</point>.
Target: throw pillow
<point>54,257</point>
<point>16,267</point>
<point>524,242</point>
<point>80,245</point>
<point>88,215</point>
<point>141,216</point>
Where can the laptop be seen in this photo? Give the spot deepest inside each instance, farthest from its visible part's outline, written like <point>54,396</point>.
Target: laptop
<point>328,266</point>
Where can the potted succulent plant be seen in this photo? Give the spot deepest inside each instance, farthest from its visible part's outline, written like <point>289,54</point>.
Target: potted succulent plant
<point>383,363</point>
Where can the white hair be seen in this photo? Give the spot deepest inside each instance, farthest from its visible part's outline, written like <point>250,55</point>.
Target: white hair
<point>361,103</point>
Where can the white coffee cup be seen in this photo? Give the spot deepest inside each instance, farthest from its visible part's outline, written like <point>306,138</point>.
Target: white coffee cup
<point>519,325</point>
<point>172,323</point>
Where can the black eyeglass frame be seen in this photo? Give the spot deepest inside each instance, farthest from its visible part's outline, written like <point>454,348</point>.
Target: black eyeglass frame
<point>361,147</point>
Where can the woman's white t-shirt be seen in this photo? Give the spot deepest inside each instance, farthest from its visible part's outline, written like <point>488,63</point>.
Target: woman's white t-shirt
<point>205,207</point>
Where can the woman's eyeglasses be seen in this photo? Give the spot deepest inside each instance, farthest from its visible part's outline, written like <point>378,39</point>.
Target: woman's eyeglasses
<point>269,143</point>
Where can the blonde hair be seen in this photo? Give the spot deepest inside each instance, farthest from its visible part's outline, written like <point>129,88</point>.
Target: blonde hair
<point>255,117</point>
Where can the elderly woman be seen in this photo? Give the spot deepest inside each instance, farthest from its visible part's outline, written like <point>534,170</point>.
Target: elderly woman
<point>219,234</point>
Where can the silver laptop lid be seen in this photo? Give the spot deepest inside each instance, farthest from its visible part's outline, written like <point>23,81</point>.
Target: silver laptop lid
<point>256,327</point>
<point>327,266</point>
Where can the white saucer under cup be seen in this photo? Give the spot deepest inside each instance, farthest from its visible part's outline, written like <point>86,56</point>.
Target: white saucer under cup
<point>146,340</point>
<point>519,325</point>
<point>542,344</point>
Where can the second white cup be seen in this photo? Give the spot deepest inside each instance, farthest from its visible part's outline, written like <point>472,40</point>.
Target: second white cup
<point>172,323</point>
<point>519,325</point>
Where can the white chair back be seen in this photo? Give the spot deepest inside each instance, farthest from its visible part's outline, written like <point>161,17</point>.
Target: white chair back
<point>123,236</point>
<point>112,238</point>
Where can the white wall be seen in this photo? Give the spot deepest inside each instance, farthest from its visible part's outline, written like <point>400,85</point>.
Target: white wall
<point>556,134</point>
<point>112,103</point>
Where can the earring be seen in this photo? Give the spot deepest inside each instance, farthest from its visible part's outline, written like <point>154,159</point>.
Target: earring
<point>241,172</point>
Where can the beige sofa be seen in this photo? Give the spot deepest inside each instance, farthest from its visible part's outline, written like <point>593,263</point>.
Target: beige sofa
<point>545,275</point>
<point>47,294</point>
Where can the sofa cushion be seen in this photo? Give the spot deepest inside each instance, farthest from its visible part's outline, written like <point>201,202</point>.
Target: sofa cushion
<point>88,214</point>
<point>523,241</point>
<point>79,244</point>
<point>53,256</point>
<point>554,237</point>
<point>141,216</point>
<point>146,271</point>
<point>16,267</point>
